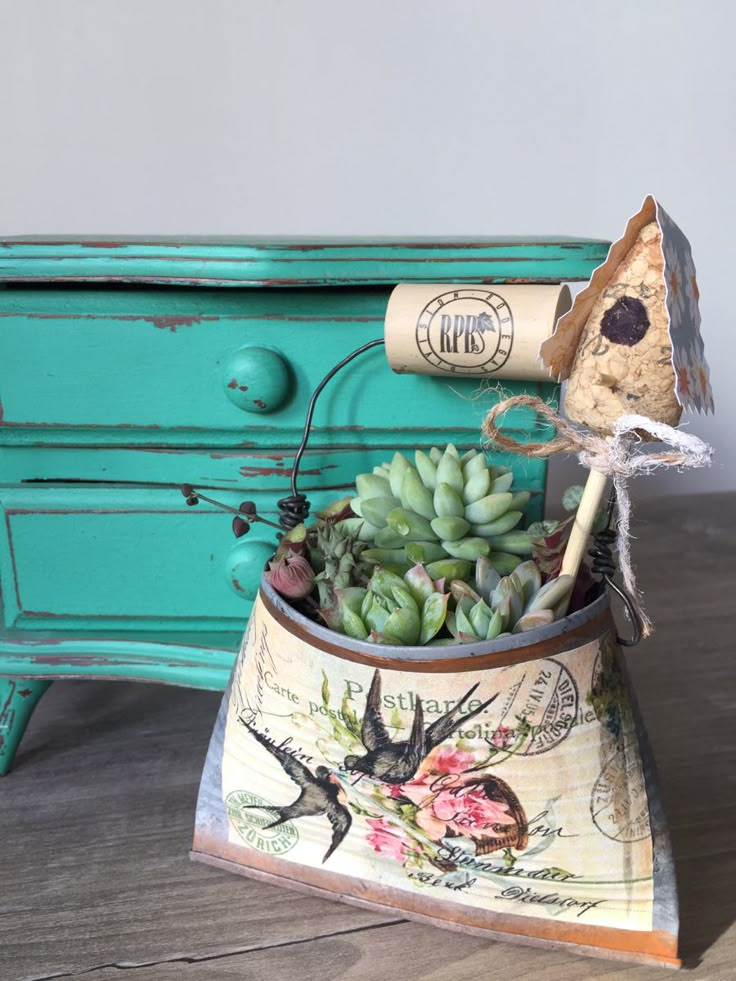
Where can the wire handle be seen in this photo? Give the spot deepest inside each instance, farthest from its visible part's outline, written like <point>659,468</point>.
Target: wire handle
<point>295,508</point>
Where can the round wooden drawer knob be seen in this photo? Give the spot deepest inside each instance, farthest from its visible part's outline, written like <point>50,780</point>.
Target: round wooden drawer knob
<point>257,379</point>
<point>244,566</point>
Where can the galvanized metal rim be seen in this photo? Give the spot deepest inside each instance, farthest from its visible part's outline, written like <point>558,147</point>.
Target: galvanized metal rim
<point>516,642</point>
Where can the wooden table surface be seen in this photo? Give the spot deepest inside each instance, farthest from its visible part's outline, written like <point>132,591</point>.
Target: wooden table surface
<point>96,819</point>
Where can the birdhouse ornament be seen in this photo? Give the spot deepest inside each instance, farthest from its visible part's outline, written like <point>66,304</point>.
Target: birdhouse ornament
<point>631,352</point>
<point>631,342</point>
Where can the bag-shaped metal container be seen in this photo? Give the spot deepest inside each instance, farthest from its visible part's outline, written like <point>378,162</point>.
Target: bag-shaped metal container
<point>504,788</point>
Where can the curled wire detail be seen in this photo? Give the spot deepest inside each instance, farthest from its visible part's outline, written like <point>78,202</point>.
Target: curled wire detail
<point>603,565</point>
<point>602,553</point>
<point>294,510</point>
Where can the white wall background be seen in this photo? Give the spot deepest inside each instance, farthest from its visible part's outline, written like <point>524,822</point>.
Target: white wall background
<point>386,117</point>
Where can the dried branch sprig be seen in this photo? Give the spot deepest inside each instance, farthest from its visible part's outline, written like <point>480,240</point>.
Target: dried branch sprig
<point>245,513</point>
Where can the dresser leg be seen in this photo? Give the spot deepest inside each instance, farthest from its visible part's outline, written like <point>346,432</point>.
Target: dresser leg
<point>18,699</point>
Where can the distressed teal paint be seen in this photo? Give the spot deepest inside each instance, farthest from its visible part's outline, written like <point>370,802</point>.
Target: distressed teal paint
<point>226,469</point>
<point>18,698</point>
<point>114,376</point>
<point>113,557</point>
<point>243,262</point>
<point>158,377</point>
<point>131,659</point>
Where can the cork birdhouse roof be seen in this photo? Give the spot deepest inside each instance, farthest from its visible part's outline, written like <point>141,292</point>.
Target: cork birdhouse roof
<point>692,384</point>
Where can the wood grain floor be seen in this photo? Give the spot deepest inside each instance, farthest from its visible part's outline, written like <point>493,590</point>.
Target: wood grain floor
<point>96,819</point>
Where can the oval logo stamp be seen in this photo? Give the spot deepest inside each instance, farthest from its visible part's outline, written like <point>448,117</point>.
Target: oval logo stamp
<point>618,801</point>
<point>252,824</point>
<point>468,330</point>
<point>546,699</point>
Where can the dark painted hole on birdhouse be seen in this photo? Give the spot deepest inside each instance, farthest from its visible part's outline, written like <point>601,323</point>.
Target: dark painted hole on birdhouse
<point>626,322</point>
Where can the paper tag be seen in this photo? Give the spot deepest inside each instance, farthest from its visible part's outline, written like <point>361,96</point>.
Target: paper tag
<point>479,331</point>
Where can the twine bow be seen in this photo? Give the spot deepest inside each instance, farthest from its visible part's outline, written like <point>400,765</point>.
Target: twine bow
<point>614,456</point>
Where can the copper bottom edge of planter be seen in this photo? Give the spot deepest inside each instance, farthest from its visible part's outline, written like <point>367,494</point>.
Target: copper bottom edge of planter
<point>658,948</point>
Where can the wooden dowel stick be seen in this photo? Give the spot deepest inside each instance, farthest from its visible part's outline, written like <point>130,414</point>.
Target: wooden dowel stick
<point>590,502</point>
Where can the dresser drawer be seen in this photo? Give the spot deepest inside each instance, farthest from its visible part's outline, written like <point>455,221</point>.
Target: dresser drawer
<point>114,558</point>
<point>175,367</point>
<point>244,471</point>
<point>82,546</point>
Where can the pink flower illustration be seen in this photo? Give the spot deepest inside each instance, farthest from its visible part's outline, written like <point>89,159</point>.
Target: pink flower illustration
<point>503,737</point>
<point>387,840</point>
<point>455,805</point>
<point>447,759</point>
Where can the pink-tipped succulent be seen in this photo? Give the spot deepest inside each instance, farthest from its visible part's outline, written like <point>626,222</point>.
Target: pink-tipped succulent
<point>292,576</point>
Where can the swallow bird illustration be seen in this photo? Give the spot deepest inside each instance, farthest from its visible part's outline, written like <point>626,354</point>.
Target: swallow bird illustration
<point>321,793</point>
<point>397,762</point>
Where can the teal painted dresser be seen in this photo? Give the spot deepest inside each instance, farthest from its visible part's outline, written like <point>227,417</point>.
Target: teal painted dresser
<point>128,367</point>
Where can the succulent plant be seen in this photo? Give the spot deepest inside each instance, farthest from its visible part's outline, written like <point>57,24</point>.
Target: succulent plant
<point>509,604</point>
<point>375,566</point>
<point>336,556</point>
<point>411,610</point>
<point>446,505</point>
<point>550,537</point>
<point>291,575</point>
<point>401,610</point>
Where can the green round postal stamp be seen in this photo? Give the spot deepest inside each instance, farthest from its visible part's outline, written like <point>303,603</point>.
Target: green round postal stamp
<point>252,824</point>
